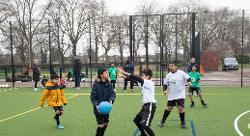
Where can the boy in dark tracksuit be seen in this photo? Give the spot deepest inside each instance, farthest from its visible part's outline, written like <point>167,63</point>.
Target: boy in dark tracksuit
<point>102,91</point>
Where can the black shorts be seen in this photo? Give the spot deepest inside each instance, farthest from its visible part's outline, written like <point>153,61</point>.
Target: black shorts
<point>58,108</point>
<point>102,119</point>
<point>113,81</point>
<point>146,114</point>
<point>196,89</point>
<point>178,102</point>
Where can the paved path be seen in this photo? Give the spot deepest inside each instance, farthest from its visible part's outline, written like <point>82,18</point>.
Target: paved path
<point>217,78</point>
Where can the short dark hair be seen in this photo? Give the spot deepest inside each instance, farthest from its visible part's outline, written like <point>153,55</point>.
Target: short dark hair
<point>54,76</point>
<point>100,71</point>
<point>173,63</point>
<point>147,72</point>
<point>197,67</point>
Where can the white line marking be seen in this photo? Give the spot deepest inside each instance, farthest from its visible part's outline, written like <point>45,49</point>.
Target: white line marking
<point>17,115</point>
<point>20,114</point>
<point>236,127</point>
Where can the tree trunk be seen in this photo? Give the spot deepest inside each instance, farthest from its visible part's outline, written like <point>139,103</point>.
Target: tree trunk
<point>74,47</point>
<point>106,56</point>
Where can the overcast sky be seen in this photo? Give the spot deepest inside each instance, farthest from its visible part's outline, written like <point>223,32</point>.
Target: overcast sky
<point>129,6</point>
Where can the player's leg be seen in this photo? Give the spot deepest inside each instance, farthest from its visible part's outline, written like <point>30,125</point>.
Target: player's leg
<point>131,85</point>
<point>190,94</point>
<point>58,112</point>
<point>35,86</point>
<point>201,98</point>
<point>147,117</point>
<point>167,111</point>
<point>125,83</point>
<point>78,80</point>
<point>106,121</point>
<point>113,83</point>
<point>181,109</point>
<point>137,120</point>
<point>102,123</point>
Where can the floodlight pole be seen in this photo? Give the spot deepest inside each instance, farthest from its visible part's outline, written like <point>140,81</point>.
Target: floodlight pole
<point>130,37</point>
<point>50,55</point>
<point>193,36</point>
<point>161,49</point>
<point>12,57</point>
<point>90,52</point>
<point>176,39</point>
<point>133,40</point>
<point>242,45</point>
<point>146,41</point>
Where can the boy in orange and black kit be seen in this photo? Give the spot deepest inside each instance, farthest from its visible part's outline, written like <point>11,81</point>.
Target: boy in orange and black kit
<point>54,94</point>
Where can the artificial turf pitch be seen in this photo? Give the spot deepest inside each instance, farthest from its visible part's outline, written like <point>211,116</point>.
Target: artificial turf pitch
<point>20,115</point>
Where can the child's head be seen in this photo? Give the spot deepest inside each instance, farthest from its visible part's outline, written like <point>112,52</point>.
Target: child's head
<point>195,67</point>
<point>192,60</point>
<point>146,74</point>
<point>112,64</point>
<point>54,78</point>
<point>172,67</point>
<point>103,74</point>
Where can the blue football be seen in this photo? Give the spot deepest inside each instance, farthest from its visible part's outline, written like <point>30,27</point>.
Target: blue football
<point>104,107</point>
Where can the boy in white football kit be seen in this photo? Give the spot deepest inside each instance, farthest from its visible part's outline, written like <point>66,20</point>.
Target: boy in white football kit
<point>144,118</point>
<point>175,83</point>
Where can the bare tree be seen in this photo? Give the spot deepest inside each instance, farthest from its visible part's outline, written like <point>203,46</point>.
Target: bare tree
<point>29,15</point>
<point>121,33</point>
<point>108,34</point>
<point>223,31</point>
<point>74,15</point>
<point>141,25</point>
<point>5,11</point>
<point>55,14</point>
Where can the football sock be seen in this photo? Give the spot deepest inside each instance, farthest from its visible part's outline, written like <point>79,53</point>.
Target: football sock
<point>182,117</point>
<point>57,119</point>
<point>100,131</point>
<point>192,102</point>
<point>202,101</point>
<point>165,115</point>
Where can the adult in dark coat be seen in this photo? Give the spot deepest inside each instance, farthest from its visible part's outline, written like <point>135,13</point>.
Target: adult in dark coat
<point>77,72</point>
<point>36,73</point>
<point>191,64</point>
<point>128,67</point>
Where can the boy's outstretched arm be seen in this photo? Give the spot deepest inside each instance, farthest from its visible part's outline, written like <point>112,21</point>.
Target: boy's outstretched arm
<point>133,77</point>
<point>123,72</point>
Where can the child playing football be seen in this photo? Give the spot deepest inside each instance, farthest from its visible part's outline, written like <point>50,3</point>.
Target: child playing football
<point>54,94</point>
<point>144,118</point>
<point>195,86</point>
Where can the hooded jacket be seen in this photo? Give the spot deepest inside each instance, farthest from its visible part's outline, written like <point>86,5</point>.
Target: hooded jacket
<point>102,91</point>
<point>54,94</point>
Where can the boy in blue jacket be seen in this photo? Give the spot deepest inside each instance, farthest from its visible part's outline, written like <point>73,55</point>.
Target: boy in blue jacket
<point>102,91</point>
